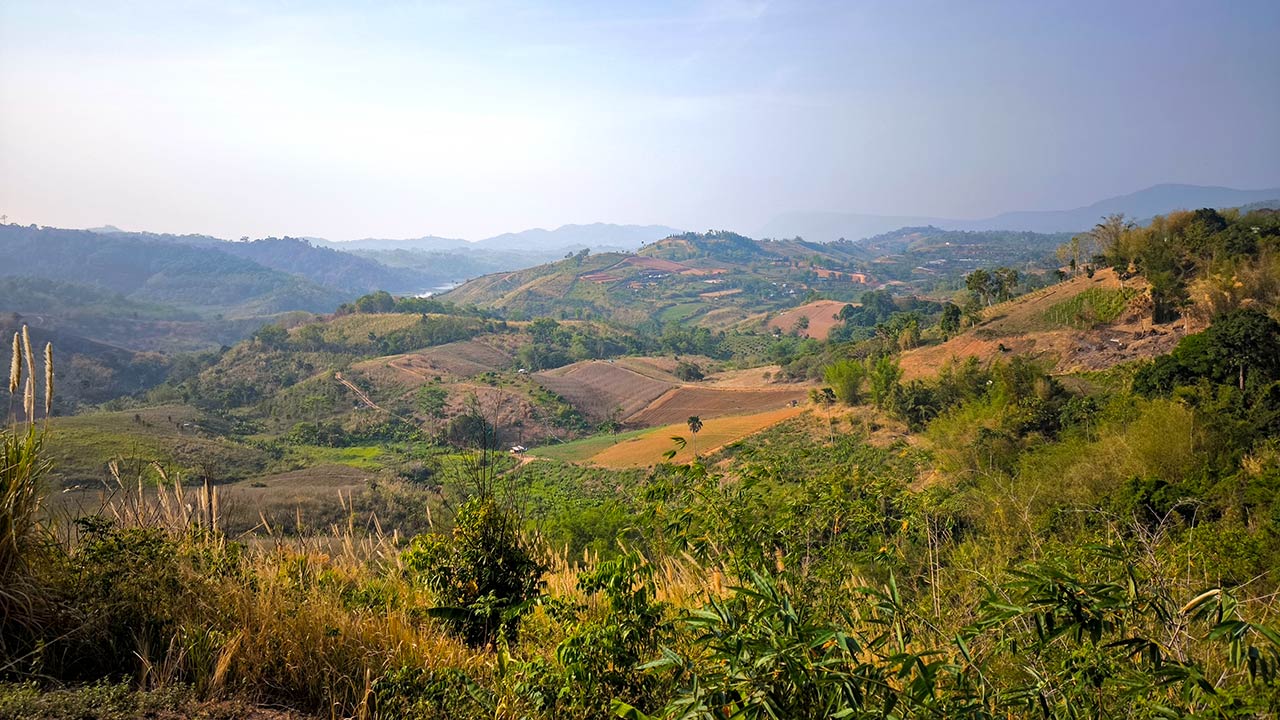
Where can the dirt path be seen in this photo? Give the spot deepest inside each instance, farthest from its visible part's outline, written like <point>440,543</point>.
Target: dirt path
<point>360,394</point>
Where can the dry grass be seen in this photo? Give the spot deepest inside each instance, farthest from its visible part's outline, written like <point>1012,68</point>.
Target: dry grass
<point>647,449</point>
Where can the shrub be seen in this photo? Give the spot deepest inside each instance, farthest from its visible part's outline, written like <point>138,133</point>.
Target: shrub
<point>845,378</point>
<point>483,574</point>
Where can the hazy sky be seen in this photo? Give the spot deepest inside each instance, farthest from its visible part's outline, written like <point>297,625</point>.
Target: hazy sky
<point>361,119</point>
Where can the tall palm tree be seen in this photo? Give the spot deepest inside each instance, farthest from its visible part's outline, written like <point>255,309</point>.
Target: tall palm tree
<point>695,424</point>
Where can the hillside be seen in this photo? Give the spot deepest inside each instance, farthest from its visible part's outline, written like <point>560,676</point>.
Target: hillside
<point>191,275</point>
<point>1079,325</point>
<point>326,266</point>
<point>722,279</point>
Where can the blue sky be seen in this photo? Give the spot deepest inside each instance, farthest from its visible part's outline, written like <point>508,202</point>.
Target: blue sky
<point>347,120</point>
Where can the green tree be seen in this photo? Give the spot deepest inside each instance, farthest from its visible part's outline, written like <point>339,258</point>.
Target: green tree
<point>1005,281</point>
<point>950,321</point>
<point>978,282</point>
<point>483,573</point>
<point>845,378</point>
<point>272,336</point>
<point>885,376</point>
<point>432,401</point>
<point>695,426</point>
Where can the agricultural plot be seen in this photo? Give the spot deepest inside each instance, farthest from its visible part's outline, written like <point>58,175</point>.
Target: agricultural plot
<point>709,402</point>
<point>821,316</point>
<point>646,448</point>
<point>454,360</point>
<point>596,387</point>
<point>1082,324</point>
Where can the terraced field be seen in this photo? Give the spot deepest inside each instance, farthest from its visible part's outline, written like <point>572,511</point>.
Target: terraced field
<point>596,387</point>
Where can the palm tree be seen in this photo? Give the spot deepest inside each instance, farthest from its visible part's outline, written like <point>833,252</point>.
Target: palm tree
<point>695,424</point>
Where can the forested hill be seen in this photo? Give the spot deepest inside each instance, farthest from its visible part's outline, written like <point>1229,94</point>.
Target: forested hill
<point>162,269</point>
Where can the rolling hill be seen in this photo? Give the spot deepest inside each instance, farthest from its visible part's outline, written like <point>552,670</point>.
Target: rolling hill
<point>723,279</point>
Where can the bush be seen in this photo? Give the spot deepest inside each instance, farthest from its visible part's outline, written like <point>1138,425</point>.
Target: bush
<point>483,574</point>
<point>845,378</point>
<point>689,372</point>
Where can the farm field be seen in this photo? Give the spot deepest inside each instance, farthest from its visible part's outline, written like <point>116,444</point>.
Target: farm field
<point>459,360</point>
<point>821,315</point>
<point>596,387</point>
<point>646,448</point>
<point>581,450</point>
<point>709,402</point>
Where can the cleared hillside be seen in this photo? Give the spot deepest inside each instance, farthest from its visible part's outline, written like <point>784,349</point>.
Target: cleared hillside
<point>1086,323</point>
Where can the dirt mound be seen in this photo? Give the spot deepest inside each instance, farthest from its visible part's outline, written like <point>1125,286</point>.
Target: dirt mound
<point>596,387</point>
<point>821,315</point>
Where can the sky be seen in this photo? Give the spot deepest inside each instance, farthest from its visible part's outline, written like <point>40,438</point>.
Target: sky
<point>404,119</point>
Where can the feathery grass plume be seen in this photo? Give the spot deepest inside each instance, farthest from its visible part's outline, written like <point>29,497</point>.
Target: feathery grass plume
<point>29,400</point>
<point>15,367</point>
<point>48,379</point>
<point>29,397</point>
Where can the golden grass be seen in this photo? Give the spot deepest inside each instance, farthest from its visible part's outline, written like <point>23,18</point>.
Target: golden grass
<point>647,449</point>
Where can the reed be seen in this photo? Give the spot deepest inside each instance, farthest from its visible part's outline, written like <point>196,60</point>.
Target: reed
<point>21,466</point>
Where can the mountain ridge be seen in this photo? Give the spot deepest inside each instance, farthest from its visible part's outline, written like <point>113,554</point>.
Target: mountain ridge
<point>1141,205</point>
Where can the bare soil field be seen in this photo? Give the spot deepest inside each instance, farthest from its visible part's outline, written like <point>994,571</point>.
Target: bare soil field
<point>653,263</point>
<point>455,360</point>
<point>596,387</point>
<point>756,377</point>
<point>679,403</point>
<point>821,314</point>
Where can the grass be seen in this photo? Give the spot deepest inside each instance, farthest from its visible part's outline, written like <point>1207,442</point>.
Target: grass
<point>582,450</point>
<point>363,457</point>
<point>83,445</point>
<point>681,312</point>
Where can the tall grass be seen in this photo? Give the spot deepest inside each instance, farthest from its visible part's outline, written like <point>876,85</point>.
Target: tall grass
<point>21,467</point>
<point>20,464</point>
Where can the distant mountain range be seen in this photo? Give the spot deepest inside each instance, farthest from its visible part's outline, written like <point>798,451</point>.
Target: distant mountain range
<point>535,241</point>
<point>1141,205</point>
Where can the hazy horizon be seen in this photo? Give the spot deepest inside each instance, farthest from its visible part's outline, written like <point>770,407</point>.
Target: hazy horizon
<point>400,120</point>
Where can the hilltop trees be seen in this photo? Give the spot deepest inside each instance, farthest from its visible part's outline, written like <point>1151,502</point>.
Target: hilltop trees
<point>989,286</point>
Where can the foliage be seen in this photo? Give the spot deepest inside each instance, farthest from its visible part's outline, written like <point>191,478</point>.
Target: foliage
<point>845,378</point>
<point>483,574</point>
<point>688,371</point>
<point>1090,307</point>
